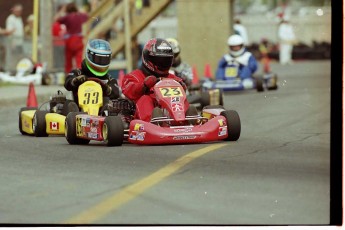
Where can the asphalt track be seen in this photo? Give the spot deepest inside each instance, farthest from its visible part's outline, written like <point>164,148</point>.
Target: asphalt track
<point>277,173</point>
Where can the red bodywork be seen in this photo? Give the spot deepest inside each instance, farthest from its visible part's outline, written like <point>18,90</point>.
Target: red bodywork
<point>171,97</point>
<point>141,132</point>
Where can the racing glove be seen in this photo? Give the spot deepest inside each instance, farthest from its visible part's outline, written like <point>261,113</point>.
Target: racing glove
<point>78,80</point>
<point>150,81</point>
<point>107,89</point>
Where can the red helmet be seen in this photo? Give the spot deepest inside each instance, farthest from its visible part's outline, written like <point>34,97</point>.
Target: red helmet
<point>157,57</point>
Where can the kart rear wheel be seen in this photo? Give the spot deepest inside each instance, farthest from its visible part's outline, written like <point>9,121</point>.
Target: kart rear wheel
<point>71,130</point>
<point>221,100</point>
<point>39,125</point>
<point>192,111</point>
<point>259,81</point>
<point>274,84</point>
<point>20,118</point>
<point>69,106</point>
<point>234,124</point>
<point>205,98</point>
<point>113,131</point>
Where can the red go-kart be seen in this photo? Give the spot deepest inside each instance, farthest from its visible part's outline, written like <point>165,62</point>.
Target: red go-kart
<point>174,122</point>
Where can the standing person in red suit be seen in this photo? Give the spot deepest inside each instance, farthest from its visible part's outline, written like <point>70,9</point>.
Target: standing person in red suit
<point>73,20</point>
<point>157,58</point>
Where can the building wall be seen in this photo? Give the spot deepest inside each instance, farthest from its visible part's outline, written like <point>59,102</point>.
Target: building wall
<point>6,5</point>
<point>203,28</point>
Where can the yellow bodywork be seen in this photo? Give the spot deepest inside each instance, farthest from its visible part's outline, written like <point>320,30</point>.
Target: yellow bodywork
<point>27,117</point>
<point>90,97</point>
<point>55,123</point>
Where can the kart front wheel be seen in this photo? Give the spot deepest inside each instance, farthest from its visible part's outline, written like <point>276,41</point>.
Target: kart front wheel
<point>259,82</point>
<point>113,131</point>
<point>39,124</point>
<point>71,130</point>
<point>234,124</point>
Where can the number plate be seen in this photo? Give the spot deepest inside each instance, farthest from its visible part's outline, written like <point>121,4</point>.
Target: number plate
<point>231,72</point>
<point>171,92</point>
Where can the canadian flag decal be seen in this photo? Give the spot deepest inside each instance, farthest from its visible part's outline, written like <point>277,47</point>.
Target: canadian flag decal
<point>54,125</point>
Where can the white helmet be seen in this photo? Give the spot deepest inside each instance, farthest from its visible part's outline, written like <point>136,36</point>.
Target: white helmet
<point>236,40</point>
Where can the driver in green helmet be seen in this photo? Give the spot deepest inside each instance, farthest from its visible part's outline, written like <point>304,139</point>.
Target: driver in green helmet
<point>95,65</point>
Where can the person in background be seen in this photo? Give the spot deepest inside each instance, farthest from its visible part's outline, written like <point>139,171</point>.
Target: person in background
<point>73,20</point>
<point>15,40</point>
<point>179,68</point>
<point>287,38</point>
<point>3,34</point>
<point>238,62</point>
<point>157,58</point>
<point>95,65</point>
<point>28,30</point>
<point>242,31</point>
<point>58,32</point>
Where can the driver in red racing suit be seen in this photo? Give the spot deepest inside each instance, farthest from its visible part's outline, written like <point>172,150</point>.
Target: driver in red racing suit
<point>157,58</point>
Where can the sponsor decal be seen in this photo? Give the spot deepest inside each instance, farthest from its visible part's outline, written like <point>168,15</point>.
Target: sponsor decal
<point>54,125</point>
<point>222,131</point>
<point>141,136</point>
<point>93,129</point>
<point>184,137</point>
<point>176,107</point>
<point>92,135</point>
<point>175,99</point>
<point>221,122</point>
<point>26,124</point>
<point>83,121</point>
<point>182,130</point>
<point>138,127</point>
<point>133,135</point>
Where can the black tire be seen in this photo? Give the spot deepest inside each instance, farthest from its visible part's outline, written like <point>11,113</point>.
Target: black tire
<point>192,111</point>
<point>39,125</point>
<point>234,124</point>
<point>113,131</point>
<point>259,82</point>
<point>205,99</point>
<point>275,85</point>
<point>20,118</point>
<point>221,100</point>
<point>69,106</point>
<point>71,130</point>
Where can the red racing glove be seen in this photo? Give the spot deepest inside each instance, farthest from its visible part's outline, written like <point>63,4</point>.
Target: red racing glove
<point>150,81</point>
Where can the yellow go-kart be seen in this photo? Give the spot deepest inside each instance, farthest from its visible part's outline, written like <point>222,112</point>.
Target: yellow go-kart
<point>93,123</point>
<point>47,119</point>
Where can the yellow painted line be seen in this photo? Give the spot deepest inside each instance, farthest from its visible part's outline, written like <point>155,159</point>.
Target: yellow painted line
<point>130,192</point>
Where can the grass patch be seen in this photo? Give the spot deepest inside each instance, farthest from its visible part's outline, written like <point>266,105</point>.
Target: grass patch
<point>5,84</point>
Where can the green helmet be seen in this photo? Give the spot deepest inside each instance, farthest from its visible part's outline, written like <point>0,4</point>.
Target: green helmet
<point>98,56</point>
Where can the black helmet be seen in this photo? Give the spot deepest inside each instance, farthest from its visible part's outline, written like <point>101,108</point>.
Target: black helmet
<point>98,56</point>
<point>157,57</point>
